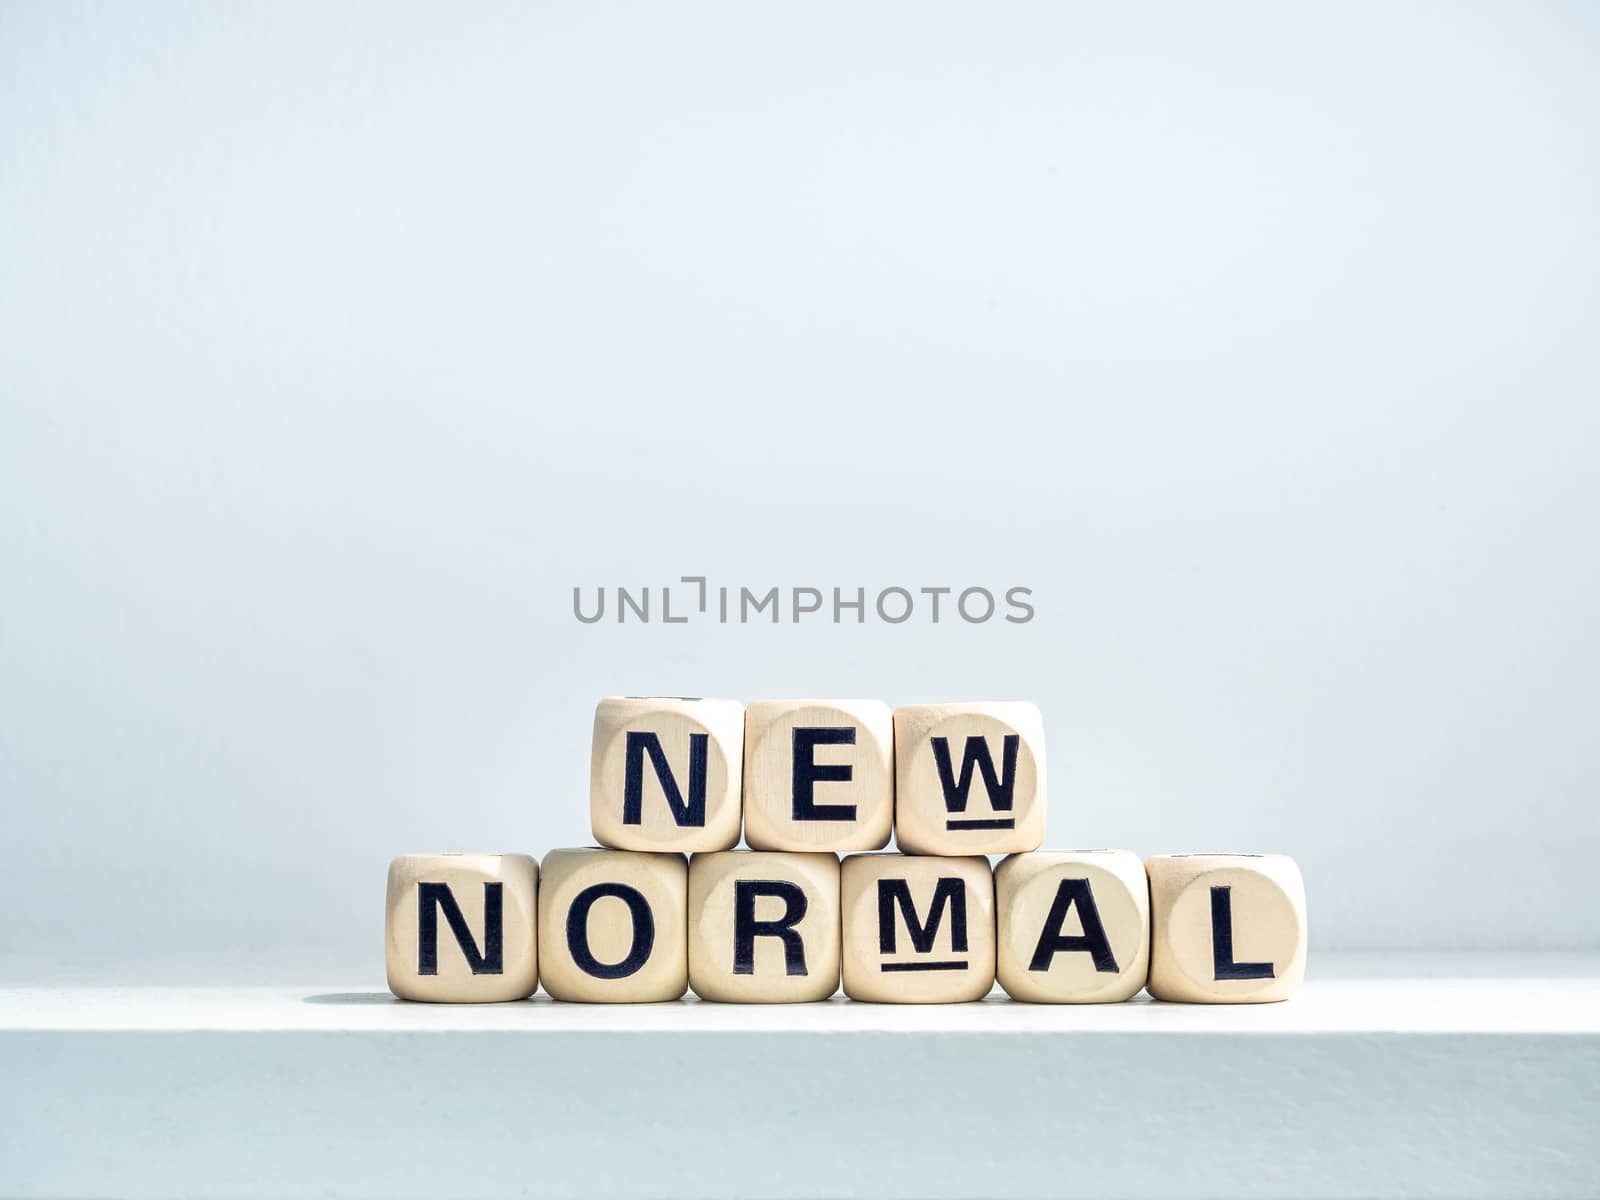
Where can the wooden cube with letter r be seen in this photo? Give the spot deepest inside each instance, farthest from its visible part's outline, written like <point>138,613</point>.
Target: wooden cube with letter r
<point>917,929</point>
<point>666,773</point>
<point>461,928</point>
<point>969,778</point>
<point>763,926</point>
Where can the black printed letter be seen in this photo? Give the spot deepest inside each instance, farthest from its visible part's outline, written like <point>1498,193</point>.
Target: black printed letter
<point>808,772</point>
<point>644,931</point>
<point>948,892</point>
<point>1222,941</point>
<point>1093,939</point>
<point>976,754</point>
<point>432,898</point>
<point>691,812</point>
<point>746,929</point>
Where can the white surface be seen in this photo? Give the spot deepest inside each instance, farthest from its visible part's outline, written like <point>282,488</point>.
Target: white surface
<point>1410,1006</point>
<point>1439,1077</point>
<point>1258,339</point>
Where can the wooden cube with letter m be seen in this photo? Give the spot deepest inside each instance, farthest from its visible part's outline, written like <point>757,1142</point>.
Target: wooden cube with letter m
<point>917,930</point>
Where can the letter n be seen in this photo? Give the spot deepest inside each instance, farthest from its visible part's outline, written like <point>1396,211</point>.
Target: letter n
<point>434,898</point>
<point>690,812</point>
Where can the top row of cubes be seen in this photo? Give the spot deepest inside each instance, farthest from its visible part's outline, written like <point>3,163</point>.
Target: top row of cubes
<point>675,773</point>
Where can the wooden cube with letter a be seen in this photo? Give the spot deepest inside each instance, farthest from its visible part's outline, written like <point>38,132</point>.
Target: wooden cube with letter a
<point>666,773</point>
<point>460,928</point>
<point>614,926</point>
<point>1226,928</point>
<point>763,926</point>
<point>818,775</point>
<point>1073,926</point>
<point>969,778</point>
<point>917,930</point>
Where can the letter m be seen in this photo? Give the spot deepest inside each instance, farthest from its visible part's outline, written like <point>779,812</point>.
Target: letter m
<point>949,893</point>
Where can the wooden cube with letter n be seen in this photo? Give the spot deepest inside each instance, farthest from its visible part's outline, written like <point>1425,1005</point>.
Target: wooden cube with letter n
<point>666,773</point>
<point>917,930</point>
<point>460,928</point>
<point>969,778</point>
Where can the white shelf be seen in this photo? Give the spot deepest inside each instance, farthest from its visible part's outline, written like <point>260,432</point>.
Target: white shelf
<point>1408,1076</point>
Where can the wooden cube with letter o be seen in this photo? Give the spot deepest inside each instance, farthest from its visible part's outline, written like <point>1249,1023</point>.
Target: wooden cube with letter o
<point>614,926</point>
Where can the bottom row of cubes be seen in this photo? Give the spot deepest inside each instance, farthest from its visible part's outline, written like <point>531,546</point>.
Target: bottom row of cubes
<point>755,927</point>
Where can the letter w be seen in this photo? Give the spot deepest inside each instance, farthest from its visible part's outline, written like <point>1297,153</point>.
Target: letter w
<point>976,754</point>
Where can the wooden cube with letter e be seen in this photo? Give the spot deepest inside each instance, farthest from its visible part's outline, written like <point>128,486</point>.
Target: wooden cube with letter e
<point>818,775</point>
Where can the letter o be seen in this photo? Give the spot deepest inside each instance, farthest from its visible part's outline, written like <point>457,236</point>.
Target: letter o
<point>988,597</point>
<point>905,616</point>
<point>644,931</point>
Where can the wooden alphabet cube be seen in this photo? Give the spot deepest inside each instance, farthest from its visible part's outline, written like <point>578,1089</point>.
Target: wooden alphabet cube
<point>460,928</point>
<point>666,773</point>
<point>818,775</point>
<point>614,926</point>
<point>917,930</point>
<point>763,927</point>
<point>1073,926</point>
<point>969,778</point>
<point>1226,928</point>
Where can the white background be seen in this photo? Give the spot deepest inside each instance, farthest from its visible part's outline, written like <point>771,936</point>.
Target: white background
<point>338,344</point>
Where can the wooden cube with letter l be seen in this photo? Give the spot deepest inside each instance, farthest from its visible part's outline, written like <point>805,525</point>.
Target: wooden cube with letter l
<point>763,926</point>
<point>917,930</point>
<point>969,778</point>
<point>1226,928</point>
<point>461,928</point>
<point>666,773</point>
